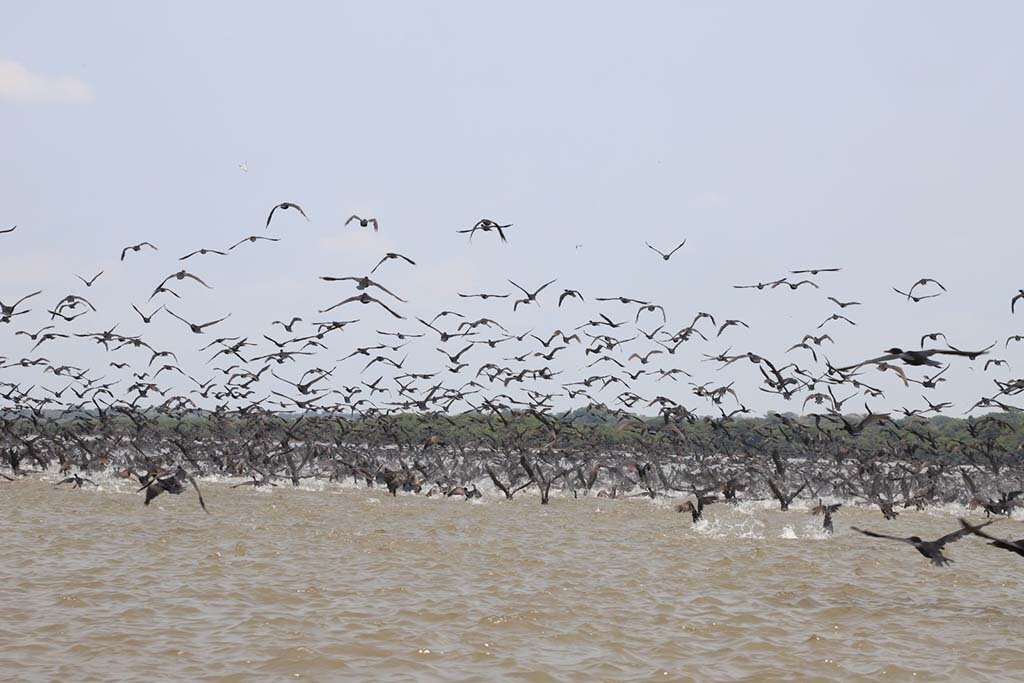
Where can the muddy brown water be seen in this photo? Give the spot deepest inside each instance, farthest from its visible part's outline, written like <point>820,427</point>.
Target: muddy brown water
<point>344,584</point>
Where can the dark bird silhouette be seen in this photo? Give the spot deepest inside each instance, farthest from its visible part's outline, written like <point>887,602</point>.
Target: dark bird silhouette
<point>251,239</point>
<point>486,225</point>
<point>843,304</point>
<point>203,252</point>
<point>287,325</point>
<point>362,283</point>
<point>363,222</point>
<point>154,484</point>
<point>136,247</point>
<point>930,549</point>
<point>363,298</point>
<point>917,358</point>
<point>284,206</point>
<point>388,257</point>
<point>828,511</point>
<point>663,254</point>
<point>198,329</point>
<point>88,283</point>
<point>531,297</point>
<point>814,271</point>
<point>77,480</point>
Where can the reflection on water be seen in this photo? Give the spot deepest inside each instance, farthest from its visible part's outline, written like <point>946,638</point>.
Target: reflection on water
<point>339,583</point>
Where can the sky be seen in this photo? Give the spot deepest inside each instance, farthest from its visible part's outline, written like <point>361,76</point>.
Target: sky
<point>882,138</point>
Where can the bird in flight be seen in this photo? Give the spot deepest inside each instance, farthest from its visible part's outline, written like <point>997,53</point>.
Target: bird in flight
<point>388,257</point>
<point>88,283</point>
<point>930,549</point>
<point>663,254</point>
<point>486,225</point>
<point>531,297</point>
<point>197,329</point>
<point>917,358</point>
<point>253,238</point>
<point>136,247</point>
<point>363,222</point>
<point>814,271</point>
<point>284,206</point>
<point>203,252</point>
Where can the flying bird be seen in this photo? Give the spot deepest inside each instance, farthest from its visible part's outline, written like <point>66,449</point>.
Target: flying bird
<point>486,225</point>
<point>930,549</point>
<point>388,257</point>
<point>136,247</point>
<point>917,358</point>
<point>663,254</point>
<point>363,222</point>
<point>88,283</point>
<point>284,206</point>
<point>198,329</point>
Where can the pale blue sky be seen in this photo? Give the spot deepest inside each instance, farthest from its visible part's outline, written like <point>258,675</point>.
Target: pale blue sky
<point>880,137</point>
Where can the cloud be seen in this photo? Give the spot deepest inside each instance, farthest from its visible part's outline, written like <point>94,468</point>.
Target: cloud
<point>19,85</point>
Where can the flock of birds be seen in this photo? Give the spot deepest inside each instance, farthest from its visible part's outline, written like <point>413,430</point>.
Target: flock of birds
<point>259,419</point>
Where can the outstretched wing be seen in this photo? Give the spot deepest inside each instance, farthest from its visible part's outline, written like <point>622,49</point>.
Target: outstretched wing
<point>874,534</point>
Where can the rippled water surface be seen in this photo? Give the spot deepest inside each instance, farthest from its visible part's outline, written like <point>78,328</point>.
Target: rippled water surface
<point>341,583</point>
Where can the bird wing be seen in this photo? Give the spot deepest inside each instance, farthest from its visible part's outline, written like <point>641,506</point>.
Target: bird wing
<point>874,534</point>
<point>880,359</point>
<point>958,534</point>
<point>271,214</point>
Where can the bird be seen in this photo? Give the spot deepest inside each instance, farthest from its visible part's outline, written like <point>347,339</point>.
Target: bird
<point>136,247</point>
<point>146,318</point>
<point>916,299</point>
<point>88,283</point>
<point>362,283</point>
<point>828,511</point>
<point>531,297</point>
<point>663,254</point>
<point>363,298</point>
<point>917,358</point>
<point>1016,297</point>
<point>363,222</point>
<point>287,325</point>
<point>203,252</point>
<point>181,275</point>
<point>925,281</point>
<point>154,484</point>
<point>730,323</point>
<point>389,256</point>
<point>6,312</point>
<point>696,508</point>
<point>198,329</point>
<point>284,206</point>
<point>843,304</point>
<point>569,293</point>
<point>253,238</point>
<point>814,271</point>
<point>930,549</point>
<point>77,480</point>
<point>486,225</point>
